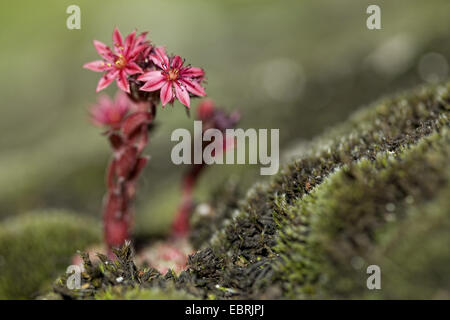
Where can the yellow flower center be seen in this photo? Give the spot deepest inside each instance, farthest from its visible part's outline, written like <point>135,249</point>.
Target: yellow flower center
<point>173,74</point>
<point>121,62</point>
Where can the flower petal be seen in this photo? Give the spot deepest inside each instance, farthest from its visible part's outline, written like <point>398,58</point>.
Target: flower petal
<point>122,102</point>
<point>122,81</point>
<point>154,80</point>
<point>205,109</point>
<point>133,68</point>
<point>97,66</point>
<point>194,87</point>
<point>177,62</point>
<point>106,79</point>
<point>138,49</point>
<point>117,39</point>
<point>151,75</point>
<point>166,93</point>
<point>129,42</point>
<point>192,72</point>
<point>141,38</point>
<point>104,101</point>
<point>160,58</point>
<point>153,85</point>
<point>98,116</point>
<point>103,50</point>
<point>182,95</point>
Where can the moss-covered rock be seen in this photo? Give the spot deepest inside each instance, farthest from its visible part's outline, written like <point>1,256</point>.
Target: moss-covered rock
<point>272,221</point>
<point>36,247</point>
<point>329,236</point>
<point>119,280</point>
<point>135,293</point>
<point>364,193</point>
<point>413,254</point>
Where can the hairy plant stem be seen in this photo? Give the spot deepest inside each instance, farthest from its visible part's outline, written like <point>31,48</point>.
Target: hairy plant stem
<point>123,170</point>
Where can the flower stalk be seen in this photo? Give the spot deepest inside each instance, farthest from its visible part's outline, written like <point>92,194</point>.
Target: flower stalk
<point>127,163</point>
<point>146,77</point>
<point>212,117</point>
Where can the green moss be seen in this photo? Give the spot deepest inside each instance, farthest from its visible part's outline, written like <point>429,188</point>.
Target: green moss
<point>362,145</point>
<point>123,293</point>
<point>330,235</point>
<point>120,280</point>
<point>311,230</point>
<point>37,246</point>
<point>413,253</point>
<point>385,126</point>
<point>223,203</point>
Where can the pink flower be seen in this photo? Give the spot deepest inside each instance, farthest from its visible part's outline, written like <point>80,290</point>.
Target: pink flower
<point>205,109</point>
<point>214,117</point>
<point>110,113</point>
<point>172,78</point>
<point>120,63</point>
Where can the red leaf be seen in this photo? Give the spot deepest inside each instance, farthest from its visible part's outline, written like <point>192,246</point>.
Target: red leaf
<point>115,140</point>
<point>139,138</point>
<point>126,162</point>
<point>115,204</point>
<point>134,122</point>
<point>140,164</point>
<point>110,181</point>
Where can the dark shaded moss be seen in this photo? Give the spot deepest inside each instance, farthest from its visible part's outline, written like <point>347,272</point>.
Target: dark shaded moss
<point>136,293</point>
<point>119,279</point>
<point>208,218</point>
<point>35,247</point>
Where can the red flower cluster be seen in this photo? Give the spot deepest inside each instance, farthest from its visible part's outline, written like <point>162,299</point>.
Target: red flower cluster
<point>136,60</point>
<point>110,113</point>
<point>140,70</point>
<point>146,76</point>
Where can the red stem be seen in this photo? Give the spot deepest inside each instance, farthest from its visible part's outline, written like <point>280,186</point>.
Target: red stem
<point>181,225</point>
<point>123,170</point>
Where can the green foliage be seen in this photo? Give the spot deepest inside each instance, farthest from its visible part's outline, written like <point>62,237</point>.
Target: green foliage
<point>413,253</point>
<point>312,229</point>
<point>321,213</point>
<point>386,126</point>
<point>37,246</point>
<point>119,280</point>
<point>331,234</point>
<point>135,293</point>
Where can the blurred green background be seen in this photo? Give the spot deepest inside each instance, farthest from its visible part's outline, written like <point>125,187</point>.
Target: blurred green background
<point>300,66</point>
